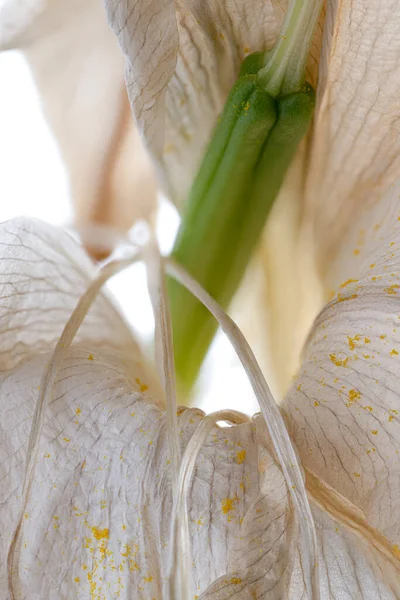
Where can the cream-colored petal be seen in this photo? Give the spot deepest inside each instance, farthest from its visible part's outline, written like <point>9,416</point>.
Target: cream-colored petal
<point>376,226</point>
<point>281,293</point>
<point>344,408</point>
<point>78,69</point>
<point>82,522</point>
<point>182,58</point>
<point>111,178</point>
<point>349,567</point>
<point>16,19</point>
<point>356,149</point>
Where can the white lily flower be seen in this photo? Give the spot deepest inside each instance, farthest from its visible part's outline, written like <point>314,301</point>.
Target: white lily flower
<point>109,492</point>
<point>78,69</point>
<point>87,487</point>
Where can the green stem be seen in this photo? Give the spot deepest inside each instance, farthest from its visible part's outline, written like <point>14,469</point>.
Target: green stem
<point>284,69</point>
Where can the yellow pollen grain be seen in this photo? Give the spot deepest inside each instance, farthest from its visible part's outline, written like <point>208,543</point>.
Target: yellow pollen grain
<point>352,341</point>
<point>67,440</point>
<point>235,580</point>
<point>393,352</point>
<point>339,362</point>
<point>391,290</point>
<point>77,580</point>
<point>353,395</point>
<point>148,579</point>
<point>240,457</point>
<point>374,431</point>
<point>100,534</point>
<point>316,403</point>
<point>78,411</point>
<point>90,357</point>
<point>341,298</point>
<point>227,505</point>
<point>367,340</point>
<point>142,386</point>
<point>356,252</point>
<point>371,266</point>
<point>348,283</point>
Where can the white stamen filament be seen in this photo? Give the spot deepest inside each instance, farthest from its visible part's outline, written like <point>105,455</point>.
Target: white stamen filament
<point>164,351</point>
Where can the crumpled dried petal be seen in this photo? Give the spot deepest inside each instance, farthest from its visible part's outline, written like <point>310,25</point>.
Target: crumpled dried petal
<point>97,522</point>
<point>343,410</point>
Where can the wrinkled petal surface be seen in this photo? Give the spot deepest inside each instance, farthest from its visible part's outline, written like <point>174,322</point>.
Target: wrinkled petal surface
<point>344,408</point>
<point>97,521</point>
<point>181,60</point>
<point>356,147</point>
<point>43,272</point>
<point>97,524</point>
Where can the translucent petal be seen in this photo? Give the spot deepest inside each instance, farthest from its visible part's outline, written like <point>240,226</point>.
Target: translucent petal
<point>16,18</point>
<point>355,150</point>
<point>182,58</point>
<point>111,178</point>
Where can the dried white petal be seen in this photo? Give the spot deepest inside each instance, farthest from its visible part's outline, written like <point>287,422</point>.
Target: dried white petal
<point>344,408</point>
<point>181,60</point>
<point>98,516</point>
<point>43,272</point>
<point>356,148</point>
